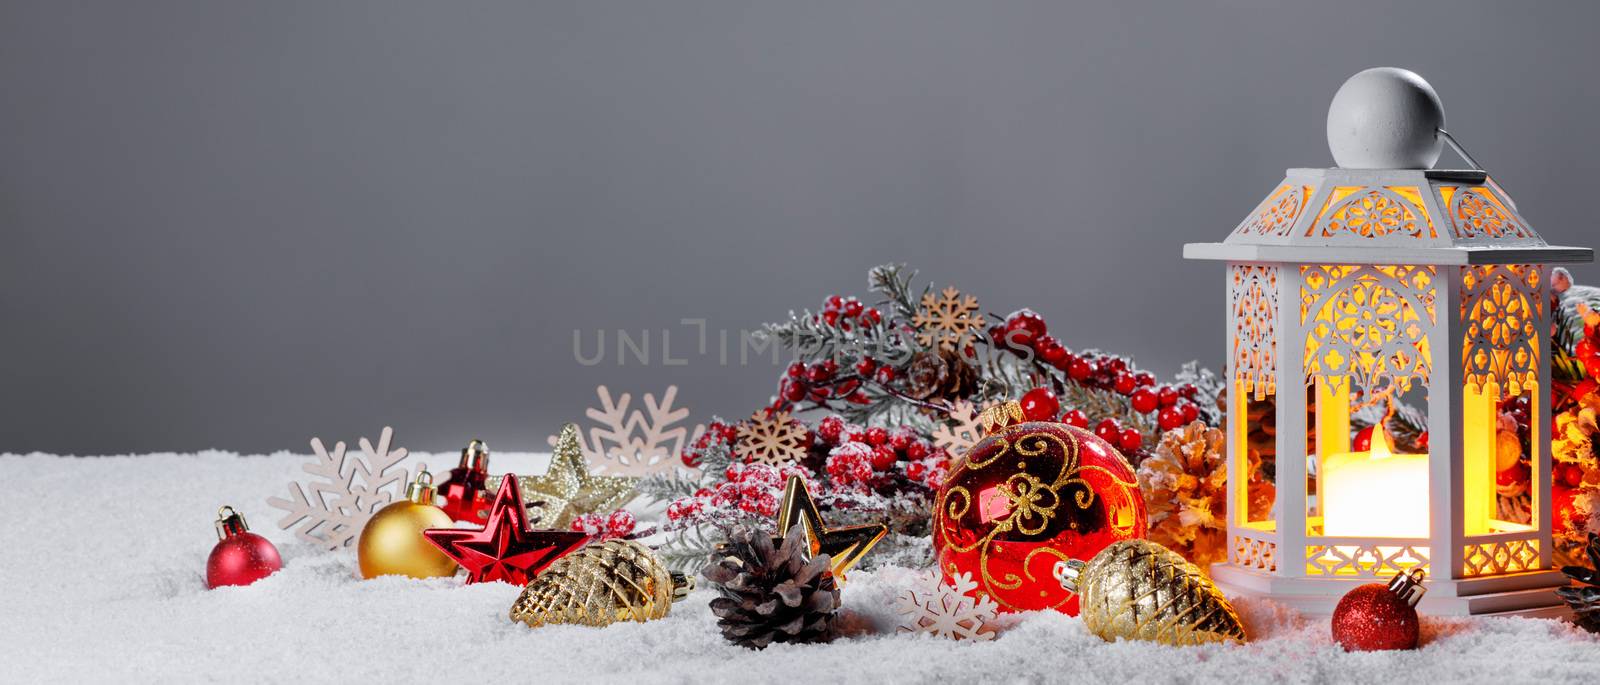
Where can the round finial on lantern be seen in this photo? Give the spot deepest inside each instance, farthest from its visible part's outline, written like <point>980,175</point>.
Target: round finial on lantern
<point>1385,118</point>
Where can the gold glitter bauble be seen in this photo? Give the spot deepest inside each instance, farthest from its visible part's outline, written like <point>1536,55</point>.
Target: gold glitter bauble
<point>1139,590</point>
<point>604,583</point>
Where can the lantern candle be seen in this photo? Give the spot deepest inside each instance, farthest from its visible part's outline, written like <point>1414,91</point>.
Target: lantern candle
<point>1376,493</point>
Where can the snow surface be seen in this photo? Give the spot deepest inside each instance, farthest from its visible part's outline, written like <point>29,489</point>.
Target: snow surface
<point>102,574</point>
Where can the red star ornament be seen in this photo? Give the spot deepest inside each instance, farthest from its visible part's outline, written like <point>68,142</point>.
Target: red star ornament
<point>505,549</point>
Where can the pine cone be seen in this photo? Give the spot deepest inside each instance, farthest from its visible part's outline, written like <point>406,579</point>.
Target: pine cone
<point>601,584</point>
<point>1583,595</point>
<point>940,374</point>
<point>772,594</point>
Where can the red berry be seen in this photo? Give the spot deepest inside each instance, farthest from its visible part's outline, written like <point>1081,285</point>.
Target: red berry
<point>1422,441</point>
<point>1040,404</point>
<point>830,317</point>
<point>833,303</point>
<point>997,334</point>
<point>877,436</point>
<point>1584,349</point>
<point>795,370</point>
<point>1023,326</point>
<point>866,366</point>
<point>1167,396</point>
<point>1572,475</point>
<point>1079,370</point>
<point>871,317</point>
<point>830,428</point>
<point>1518,473</point>
<point>1169,418</point>
<point>1144,400</point>
<point>1144,379</point>
<point>852,308</point>
<point>916,470</point>
<point>1053,354</point>
<point>1130,439</point>
<point>1189,411</point>
<point>883,457</point>
<point>901,439</point>
<point>1188,391</point>
<point>819,373</point>
<point>1075,417</point>
<point>1117,364</point>
<point>1124,383</point>
<point>858,397</point>
<point>916,450</point>
<point>1108,430</point>
<point>885,374</point>
<point>1363,440</point>
<point>791,390</point>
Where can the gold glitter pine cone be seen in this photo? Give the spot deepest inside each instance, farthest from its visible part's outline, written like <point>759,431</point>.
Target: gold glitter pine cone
<point>1139,590</point>
<point>603,583</point>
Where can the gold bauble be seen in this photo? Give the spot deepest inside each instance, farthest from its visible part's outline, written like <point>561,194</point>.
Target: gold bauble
<point>1139,590</point>
<point>603,583</point>
<point>392,544</point>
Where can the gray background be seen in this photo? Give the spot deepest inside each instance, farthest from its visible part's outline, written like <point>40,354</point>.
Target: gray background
<point>238,225</point>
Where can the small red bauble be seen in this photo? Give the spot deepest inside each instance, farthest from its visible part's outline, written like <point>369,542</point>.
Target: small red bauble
<point>1376,617</point>
<point>1026,497</point>
<point>1040,404</point>
<point>465,497</point>
<point>240,557</point>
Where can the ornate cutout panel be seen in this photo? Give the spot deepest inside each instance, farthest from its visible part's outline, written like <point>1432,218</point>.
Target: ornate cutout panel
<point>1277,214</point>
<point>1373,212</point>
<point>1477,215</point>
<point>1365,561</point>
<point>1368,322</point>
<point>1502,310</point>
<point>1253,553</point>
<point>1253,295</point>
<point>1495,558</point>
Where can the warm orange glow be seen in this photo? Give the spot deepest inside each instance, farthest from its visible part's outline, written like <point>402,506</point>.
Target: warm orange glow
<point>1377,493</point>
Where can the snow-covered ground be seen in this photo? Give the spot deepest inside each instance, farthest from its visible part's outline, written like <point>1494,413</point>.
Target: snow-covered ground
<point>101,580</point>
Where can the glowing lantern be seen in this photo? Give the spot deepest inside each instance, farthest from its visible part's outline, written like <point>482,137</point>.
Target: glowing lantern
<point>1355,290</point>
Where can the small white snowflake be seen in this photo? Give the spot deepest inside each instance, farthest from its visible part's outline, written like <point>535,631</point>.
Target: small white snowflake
<point>948,610</point>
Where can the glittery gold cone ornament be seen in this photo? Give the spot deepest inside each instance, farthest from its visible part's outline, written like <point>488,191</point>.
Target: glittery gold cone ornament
<point>601,584</point>
<point>1139,590</point>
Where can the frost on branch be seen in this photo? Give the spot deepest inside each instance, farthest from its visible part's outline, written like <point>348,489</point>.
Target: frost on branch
<point>344,491</point>
<point>640,443</point>
<point>947,610</point>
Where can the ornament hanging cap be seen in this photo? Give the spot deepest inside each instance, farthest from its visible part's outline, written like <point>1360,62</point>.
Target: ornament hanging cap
<point>1069,572</point>
<point>230,523</point>
<point>682,585</point>
<point>420,490</point>
<point>475,456</point>
<point>995,417</point>
<point>1408,586</point>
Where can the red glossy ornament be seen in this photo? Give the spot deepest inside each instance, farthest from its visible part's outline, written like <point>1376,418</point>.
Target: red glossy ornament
<point>1040,404</point>
<point>1376,617</point>
<point>1026,497</point>
<point>505,549</point>
<point>240,557</point>
<point>465,498</point>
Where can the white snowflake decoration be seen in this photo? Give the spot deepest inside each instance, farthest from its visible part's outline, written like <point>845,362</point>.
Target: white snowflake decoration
<point>967,431</point>
<point>332,508</point>
<point>639,443</point>
<point>947,610</point>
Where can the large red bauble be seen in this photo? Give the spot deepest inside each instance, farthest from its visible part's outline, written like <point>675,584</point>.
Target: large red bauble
<point>1026,497</point>
<point>1372,618</point>
<point>241,559</point>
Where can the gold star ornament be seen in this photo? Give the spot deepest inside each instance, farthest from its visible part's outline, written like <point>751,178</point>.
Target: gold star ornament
<point>567,490</point>
<point>844,546</point>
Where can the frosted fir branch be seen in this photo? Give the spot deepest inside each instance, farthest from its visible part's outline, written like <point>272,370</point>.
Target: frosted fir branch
<point>810,339</point>
<point>894,284</point>
<point>668,485</point>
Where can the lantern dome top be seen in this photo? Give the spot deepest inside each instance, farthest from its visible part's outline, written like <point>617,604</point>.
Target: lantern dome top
<point>1385,118</point>
<point>1384,203</point>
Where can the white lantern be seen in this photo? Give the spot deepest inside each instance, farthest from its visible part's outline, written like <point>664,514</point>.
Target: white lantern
<point>1350,289</point>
